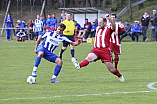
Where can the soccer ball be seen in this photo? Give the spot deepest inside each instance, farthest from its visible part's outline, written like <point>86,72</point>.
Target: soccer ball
<point>31,80</point>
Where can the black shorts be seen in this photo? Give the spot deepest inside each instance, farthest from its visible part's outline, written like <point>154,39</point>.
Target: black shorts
<point>65,44</point>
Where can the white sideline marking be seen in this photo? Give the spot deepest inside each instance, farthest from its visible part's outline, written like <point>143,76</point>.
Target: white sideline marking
<point>79,95</point>
<point>150,85</point>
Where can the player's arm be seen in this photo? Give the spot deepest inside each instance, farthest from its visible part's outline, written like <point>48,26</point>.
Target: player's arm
<point>112,23</point>
<point>37,43</point>
<point>76,43</point>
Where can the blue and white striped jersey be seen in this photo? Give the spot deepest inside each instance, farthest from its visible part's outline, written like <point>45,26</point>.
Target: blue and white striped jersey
<point>38,25</point>
<point>52,40</point>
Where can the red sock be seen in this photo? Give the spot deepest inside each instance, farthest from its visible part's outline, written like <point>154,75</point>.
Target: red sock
<point>116,59</point>
<point>84,63</point>
<point>116,72</point>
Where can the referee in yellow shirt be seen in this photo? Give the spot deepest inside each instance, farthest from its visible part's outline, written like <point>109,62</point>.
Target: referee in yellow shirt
<point>69,33</point>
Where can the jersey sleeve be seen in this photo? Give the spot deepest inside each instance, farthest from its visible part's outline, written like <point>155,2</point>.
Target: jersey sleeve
<point>46,34</point>
<point>66,39</point>
<point>120,28</point>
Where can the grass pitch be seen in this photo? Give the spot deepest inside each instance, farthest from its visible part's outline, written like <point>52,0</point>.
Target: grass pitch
<point>92,84</point>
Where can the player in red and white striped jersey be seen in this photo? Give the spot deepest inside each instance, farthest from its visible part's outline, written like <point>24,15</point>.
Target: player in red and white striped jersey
<point>101,48</point>
<point>115,43</point>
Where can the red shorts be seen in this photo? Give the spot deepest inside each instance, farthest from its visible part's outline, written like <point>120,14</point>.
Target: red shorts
<point>102,53</point>
<point>115,48</point>
<point>52,29</point>
<point>47,28</point>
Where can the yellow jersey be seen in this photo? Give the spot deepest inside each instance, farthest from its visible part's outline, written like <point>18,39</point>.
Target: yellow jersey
<point>69,25</point>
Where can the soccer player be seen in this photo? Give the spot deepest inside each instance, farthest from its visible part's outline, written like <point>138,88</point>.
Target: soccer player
<point>46,49</point>
<point>101,47</point>
<point>9,22</point>
<point>69,33</point>
<point>38,27</point>
<point>115,44</point>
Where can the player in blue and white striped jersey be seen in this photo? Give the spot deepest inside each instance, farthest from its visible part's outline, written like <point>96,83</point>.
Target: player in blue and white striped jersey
<point>38,27</point>
<point>46,49</point>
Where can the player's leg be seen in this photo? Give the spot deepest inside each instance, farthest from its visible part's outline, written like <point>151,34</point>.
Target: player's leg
<point>114,71</point>
<point>57,70</point>
<point>65,44</point>
<point>116,60</point>
<point>91,57</point>
<point>40,51</point>
<point>36,36</point>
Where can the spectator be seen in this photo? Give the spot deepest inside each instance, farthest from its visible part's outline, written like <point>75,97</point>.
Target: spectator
<point>30,25</point>
<point>145,22</point>
<point>61,18</point>
<point>77,27</point>
<point>37,27</point>
<point>43,20</point>
<point>96,22</point>
<point>86,30</point>
<point>48,22</point>
<point>21,35</point>
<point>155,22</point>
<point>93,30</point>
<point>19,25</point>
<point>9,22</point>
<point>153,37</point>
<point>136,30</point>
<point>53,22</point>
<point>127,28</point>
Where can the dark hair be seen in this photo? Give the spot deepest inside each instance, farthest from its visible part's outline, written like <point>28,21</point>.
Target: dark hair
<point>126,20</point>
<point>53,14</point>
<point>86,18</point>
<point>113,14</point>
<point>62,26</point>
<point>104,19</point>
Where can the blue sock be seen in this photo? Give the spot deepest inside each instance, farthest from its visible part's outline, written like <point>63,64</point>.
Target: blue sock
<point>37,61</point>
<point>72,52</point>
<point>57,70</point>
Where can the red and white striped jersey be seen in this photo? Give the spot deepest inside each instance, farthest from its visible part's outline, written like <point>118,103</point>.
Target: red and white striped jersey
<point>115,39</point>
<point>102,37</point>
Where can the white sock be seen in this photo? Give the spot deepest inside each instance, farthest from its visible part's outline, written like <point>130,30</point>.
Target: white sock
<point>35,68</point>
<point>53,76</point>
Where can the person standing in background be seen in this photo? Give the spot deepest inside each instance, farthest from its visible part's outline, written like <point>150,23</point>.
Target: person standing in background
<point>69,33</point>
<point>9,22</point>
<point>53,22</point>
<point>145,22</point>
<point>153,36</point>
<point>61,18</point>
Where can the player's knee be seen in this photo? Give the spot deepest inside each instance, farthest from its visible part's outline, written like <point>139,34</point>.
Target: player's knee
<point>59,61</point>
<point>64,48</point>
<point>41,54</point>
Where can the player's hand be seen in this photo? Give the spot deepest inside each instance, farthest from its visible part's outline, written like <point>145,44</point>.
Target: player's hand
<point>35,50</point>
<point>79,41</point>
<point>108,16</point>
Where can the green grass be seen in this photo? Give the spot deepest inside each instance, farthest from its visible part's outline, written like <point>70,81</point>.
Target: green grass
<point>137,64</point>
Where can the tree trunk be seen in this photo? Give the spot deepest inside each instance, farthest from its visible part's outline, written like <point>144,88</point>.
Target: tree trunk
<point>130,10</point>
<point>49,4</point>
<point>104,3</point>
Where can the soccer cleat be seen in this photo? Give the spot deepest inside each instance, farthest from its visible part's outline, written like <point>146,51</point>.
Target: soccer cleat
<point>53,80</point>
<point>34,74</point>
<point>122,79</point>
<point>73,59</point>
